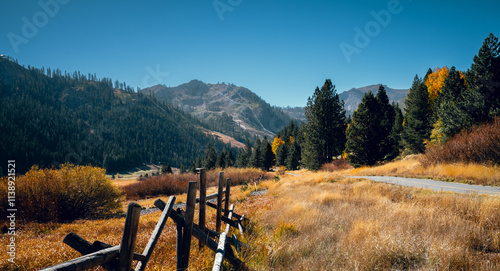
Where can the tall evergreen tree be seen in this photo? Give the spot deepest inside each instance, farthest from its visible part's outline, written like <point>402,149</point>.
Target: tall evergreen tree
<point>267,154</point>
<point>192,168</point>
<point>385,115</point>
<point>362,146</point>
<point>417,122</point>
<point>484,77</point>
<point>210,157</point>
<point>229,161</point>
<point>246,154</point>
<point>256,158</point>
<point>221,160</point>
<point>395,137</point>
<point>293,157</point>
<point>458,107</point>
<point>281,154</point>
<point>182,170</point>
<point>325,131</point>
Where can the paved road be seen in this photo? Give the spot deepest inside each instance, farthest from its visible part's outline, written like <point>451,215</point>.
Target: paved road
<point>435,185</point>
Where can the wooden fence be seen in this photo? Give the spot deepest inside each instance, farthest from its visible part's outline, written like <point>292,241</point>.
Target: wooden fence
<point>120,257</point>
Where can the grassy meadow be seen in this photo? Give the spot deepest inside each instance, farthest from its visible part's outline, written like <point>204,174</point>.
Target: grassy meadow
<point>414,166</point>
<point>310,221</point>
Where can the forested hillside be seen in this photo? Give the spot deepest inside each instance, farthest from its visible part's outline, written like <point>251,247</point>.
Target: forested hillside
<point>48,117</point>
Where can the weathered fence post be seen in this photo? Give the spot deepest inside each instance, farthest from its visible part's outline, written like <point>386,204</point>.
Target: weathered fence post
<point>203,201</point>
<point>219,202</point>
<point>226,203</point>
<point>129,236</point>
<point>179,227</point>
<point>188,226</point>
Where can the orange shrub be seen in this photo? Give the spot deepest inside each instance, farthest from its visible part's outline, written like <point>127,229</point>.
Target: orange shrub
<point>171,184</point>
<point>66,194</point>
<point>480,145</point>
<point>337,164</point>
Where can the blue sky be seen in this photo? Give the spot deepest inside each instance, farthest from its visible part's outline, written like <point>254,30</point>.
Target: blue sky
<point>281,50</point>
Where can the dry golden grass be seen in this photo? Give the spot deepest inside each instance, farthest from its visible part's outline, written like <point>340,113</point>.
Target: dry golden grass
<point>40,245</point>
<point>312,221</point>
<point>320,221</point>
<point>122,183</point>
<point>412,167</point>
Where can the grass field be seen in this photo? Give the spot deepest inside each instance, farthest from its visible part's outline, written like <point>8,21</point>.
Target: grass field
<point>133,174</point>
<point>411,166</point>
<point>312,221</point>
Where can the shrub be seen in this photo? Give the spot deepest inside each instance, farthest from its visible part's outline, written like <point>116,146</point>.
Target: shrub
<point>479,145</point>
<point>66,194</point>
<point>337,164</point>
<point>172,184</point>
<point>281,170</point>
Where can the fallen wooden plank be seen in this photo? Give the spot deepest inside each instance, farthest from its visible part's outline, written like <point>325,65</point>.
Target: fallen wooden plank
<point>87,261</point>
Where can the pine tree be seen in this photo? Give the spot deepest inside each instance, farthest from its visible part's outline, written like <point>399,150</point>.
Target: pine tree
<point>229,161</point>
<point>243,158</point>
<point>484,77</point>
<point>221,160</point>
<point>417,122</point>
<point>325,131</point>
<point>362,147</point>
<point>395,137</point>
<point>281,155</point>
<point>458,107</point>
<point>168,169</point>
<point>210,157</point>
<point>267,154</point>
<point>192,168</point>
<point>256,158</point>
<point>182,170</point>
<point>386,115</point>
<point>293,158</point>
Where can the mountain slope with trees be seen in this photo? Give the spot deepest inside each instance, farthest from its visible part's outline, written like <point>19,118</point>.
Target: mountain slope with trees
<point>229,109</point>
<point>48,117</point>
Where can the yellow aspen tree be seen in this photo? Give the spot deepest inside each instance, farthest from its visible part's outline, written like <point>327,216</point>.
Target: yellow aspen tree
<point>435,82</point>
<point>276,143</point>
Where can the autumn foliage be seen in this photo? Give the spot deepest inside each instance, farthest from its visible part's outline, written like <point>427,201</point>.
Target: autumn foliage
<point>435,82</point>
<point>480,145</point>
<point>171,184</point>
<point>335,165</point>
<point>61,195</point>
<point>276,143</point>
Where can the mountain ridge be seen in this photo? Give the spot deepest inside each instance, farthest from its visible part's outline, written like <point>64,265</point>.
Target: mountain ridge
<point>244,111</point>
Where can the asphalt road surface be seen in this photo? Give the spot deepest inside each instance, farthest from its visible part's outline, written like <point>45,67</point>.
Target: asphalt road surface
<point>435,185</point>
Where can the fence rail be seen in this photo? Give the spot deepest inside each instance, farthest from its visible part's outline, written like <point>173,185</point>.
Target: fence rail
<point>120,257</point>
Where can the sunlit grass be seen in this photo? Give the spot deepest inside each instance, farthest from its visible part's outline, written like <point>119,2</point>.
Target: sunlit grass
<point>311,221</point>
<point>320,221</point>
<point>412,167</point>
